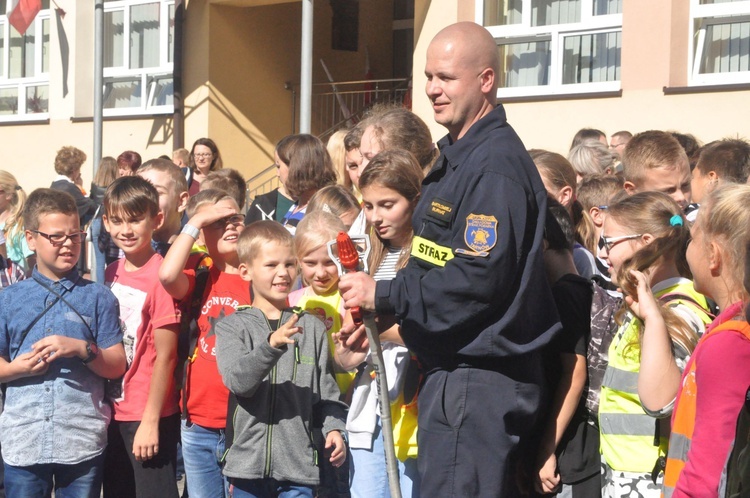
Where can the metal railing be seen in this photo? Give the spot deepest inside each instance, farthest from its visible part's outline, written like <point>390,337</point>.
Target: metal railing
<point>262,183</point>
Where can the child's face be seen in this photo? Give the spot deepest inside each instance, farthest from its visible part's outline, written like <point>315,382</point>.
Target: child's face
<point>620,244</point>
<point>221,236</point>
<point>675,182</point>
<point>272,273</point>
<point>698,259</point>
<point>319,271</point>
<point>171,202</point>
<point>132,233</point>
<point>353,162</point>
<point>55,259</point>
<point>698,185</point>
<point>389,213</point>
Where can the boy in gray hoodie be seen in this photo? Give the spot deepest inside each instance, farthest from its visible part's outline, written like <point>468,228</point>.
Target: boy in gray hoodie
<point>276,364</point>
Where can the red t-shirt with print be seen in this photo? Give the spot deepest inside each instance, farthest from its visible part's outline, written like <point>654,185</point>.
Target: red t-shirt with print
<point>204,391</point>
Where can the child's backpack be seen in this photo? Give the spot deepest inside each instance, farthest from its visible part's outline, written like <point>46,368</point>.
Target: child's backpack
<point>190,311</point>
<point>735,480</point>
<point>603,328</point>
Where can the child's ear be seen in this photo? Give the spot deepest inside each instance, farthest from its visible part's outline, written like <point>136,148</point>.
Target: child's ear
<point>597,215</point>
<point>30,240</point>
<point>629,187</point>
<point>182,201</point>
<point>245,272</point>
<point>565,195</point>
<point>715,260</point>
<point>647,238</point>
<point>105,222</point>
<point>158,220</point>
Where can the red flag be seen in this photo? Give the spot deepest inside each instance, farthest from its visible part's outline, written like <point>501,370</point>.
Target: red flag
<point>23,14</point>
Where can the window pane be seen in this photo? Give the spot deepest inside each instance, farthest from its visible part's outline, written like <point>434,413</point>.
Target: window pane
<point>548,12</point>
<point>45,4</point>
<point>3,7</point>
<point>502,12</point>
<point>113,38</point>
<point>710,2</point>
<point>592,58</point>
<point>21,53</point>
<point>8,101</point>
<point>163,92</point>
<point>45,46</point>
<point>605,7</point>
<point>122,94</point>
<point>37,99</point>
<point>524,64</point>
<point>170,48</point>
<point>2,50</point>
<point>144,36</point>
<point>727,48</point>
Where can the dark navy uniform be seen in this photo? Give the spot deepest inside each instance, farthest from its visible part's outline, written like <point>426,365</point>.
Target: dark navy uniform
<point>476,308</point>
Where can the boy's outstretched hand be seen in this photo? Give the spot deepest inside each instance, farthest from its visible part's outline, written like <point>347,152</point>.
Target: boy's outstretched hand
<point>336,447</point>
<point>283,335</point>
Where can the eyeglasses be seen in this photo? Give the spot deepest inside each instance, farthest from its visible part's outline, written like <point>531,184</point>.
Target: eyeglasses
<point>235,219</point>
<point>58,239</point>
<point>610,242</point>
<point>203,154</point>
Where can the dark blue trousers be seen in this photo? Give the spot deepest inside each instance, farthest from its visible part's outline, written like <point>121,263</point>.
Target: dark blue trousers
<point>475,426</point>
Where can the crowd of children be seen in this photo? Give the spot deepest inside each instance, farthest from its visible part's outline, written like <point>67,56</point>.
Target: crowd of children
<point>218,341</point>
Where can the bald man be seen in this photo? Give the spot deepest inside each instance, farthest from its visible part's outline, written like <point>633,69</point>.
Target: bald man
<point>473,301</point>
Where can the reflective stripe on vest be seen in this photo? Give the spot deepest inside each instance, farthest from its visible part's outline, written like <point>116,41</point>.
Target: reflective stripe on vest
<point>627,433</point>
<point>683,423</point>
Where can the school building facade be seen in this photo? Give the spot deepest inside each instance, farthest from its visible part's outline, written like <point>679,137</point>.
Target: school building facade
<point>178,70</point>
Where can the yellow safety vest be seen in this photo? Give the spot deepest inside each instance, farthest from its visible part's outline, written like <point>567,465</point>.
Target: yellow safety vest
<point>629,438</point>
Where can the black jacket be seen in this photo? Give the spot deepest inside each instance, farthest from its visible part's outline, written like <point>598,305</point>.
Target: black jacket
<point>86,206</point>
<point>475,289</point>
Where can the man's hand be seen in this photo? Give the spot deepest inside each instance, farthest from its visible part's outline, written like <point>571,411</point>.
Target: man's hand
<point>146,441</point>
<point>336,448</point>
<point>358,289</point>
<point>59,346</point>
<point>283,334</point>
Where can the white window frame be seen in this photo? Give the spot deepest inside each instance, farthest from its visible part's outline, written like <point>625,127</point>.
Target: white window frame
<point>148,76</point>
<point>22,84</point>
<point>555,34</point>
<point>702,16</point>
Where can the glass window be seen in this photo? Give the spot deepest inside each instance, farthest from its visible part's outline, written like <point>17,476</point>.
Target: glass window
<point>592,58</point>
<point>502,12</point>
<point>24,65</point>
<point>138,55</point>
<point>524,64</point>
<point>114,23</point>
<point>721,49</point>
<point>550,12</point>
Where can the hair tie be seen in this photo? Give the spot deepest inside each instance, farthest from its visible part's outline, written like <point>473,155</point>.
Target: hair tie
<point>18,187</point>
<point>676,220</point>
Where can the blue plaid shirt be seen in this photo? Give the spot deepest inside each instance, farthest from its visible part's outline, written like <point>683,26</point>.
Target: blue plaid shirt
<point>62,416</point>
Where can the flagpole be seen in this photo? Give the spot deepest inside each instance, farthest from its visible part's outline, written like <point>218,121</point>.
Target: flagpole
<point>98,80</point>
<point>305,90</point>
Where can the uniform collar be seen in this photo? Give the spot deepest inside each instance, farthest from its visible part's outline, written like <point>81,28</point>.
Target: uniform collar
<point>456,152</point>
<point>68,281</point>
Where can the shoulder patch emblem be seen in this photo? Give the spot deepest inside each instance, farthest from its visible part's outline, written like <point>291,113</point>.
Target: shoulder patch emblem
<point>481,233</point>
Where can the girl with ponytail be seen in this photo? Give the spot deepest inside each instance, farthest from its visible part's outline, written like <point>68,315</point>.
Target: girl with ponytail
<point>645,237</point>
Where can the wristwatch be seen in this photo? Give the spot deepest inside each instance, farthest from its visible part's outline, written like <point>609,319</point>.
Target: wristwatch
<point>92,350</point>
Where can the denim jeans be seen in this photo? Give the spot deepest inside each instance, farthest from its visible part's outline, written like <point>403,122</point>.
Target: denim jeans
<point>369,477</point>
<point>268,488</point>
<point>79,480</point>
<point>202,449</point>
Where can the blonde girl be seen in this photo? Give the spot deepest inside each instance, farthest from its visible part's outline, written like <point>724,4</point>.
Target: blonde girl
<point>713,385</point>
<point>12,200</point>
<point>337,200</point>
<point>644,242</point>
<point>390,186</point>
